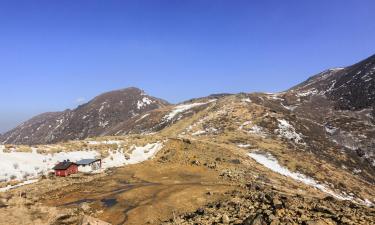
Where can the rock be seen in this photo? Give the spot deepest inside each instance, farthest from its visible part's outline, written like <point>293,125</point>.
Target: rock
<point>85,207</point>
<point>225,219</point>
<point>195,162</point>
<point>323,209</point>
<point>277,204</point>
<point>64,218</point>
<point>275,222</point>
<point>200,211</point>
<point>257,220</point>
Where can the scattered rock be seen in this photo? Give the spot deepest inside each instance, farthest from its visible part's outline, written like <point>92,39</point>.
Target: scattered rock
<point>225,219</point>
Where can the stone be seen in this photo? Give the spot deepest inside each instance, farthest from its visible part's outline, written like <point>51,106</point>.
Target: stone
<point>225,219</point>
<point>85,207</point>
<point>277,204</point>
<point>257,220</point>
<point>200,211</point>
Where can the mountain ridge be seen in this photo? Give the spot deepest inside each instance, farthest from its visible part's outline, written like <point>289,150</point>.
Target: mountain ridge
<point>86,120</point>
<point>331,84</point>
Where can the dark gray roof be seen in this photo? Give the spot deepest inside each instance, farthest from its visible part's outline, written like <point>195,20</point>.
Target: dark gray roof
<point>63,165</point>
<point>86,161</point>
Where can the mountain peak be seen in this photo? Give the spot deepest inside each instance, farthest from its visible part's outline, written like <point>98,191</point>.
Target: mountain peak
<point>94,118</point>
<point>352,87</point>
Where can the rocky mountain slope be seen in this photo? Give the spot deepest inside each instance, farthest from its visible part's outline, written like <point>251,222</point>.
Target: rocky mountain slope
<point>303,156</point>
<point>91,119</point>
<point>350,88</point>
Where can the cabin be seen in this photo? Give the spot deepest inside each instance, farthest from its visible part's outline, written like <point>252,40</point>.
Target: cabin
<point>66,168</point>
<point>89,165</point>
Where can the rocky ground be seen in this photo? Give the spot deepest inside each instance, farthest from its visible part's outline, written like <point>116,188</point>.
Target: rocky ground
<point>258,205</point>
<point>188,182</point>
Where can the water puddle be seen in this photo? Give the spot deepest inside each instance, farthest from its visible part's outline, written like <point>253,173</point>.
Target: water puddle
<point>109,202</point>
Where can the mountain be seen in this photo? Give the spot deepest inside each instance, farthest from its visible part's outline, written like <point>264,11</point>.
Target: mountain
<point>351,88</point>
<point>88,120</point>
<point>341,104</point>
<point>302,156</point>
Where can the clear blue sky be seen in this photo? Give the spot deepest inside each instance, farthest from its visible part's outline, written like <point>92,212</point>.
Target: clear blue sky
<point>54,53</point>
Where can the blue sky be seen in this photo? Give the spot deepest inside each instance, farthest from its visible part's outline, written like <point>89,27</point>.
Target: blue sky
<point>57,53</point>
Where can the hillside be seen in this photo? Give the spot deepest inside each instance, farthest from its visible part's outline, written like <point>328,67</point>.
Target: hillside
<point>92,119</point>
<point>303,156</point>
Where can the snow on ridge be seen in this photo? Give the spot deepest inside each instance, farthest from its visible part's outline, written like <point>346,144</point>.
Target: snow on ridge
<point>336,69</point>
<point>271,163</point>
<point>144,102</point>
<point>309,92</point>
<point>287,131</point>
<point>183,108</point>
<point>274,97</point>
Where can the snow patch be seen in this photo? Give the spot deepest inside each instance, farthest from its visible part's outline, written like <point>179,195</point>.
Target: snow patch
<point>291,108</point>
<point>256,129</point>
<point>9,187</point>
<point>144,102</point>
<point>286,130</point>
<point>199,132</point>
<point>330,129</point>
<point>183,108</point>
<point>271,163</point>
<point>244,145</point>
<point>309,92</point>
<point>102,107</point>
<point>29,165</point>
<point>103,124</point>
<point>248,100</point>
<point>138,154</point>
<point>144,116</point>
<point>26,167</point>
<point>244,125</point>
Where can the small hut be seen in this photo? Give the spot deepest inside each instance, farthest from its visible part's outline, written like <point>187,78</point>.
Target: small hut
<point>89,165</point>
<point>66,168</point>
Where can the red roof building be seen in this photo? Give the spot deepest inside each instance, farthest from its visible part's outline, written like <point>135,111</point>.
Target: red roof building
<point>65,169</point>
